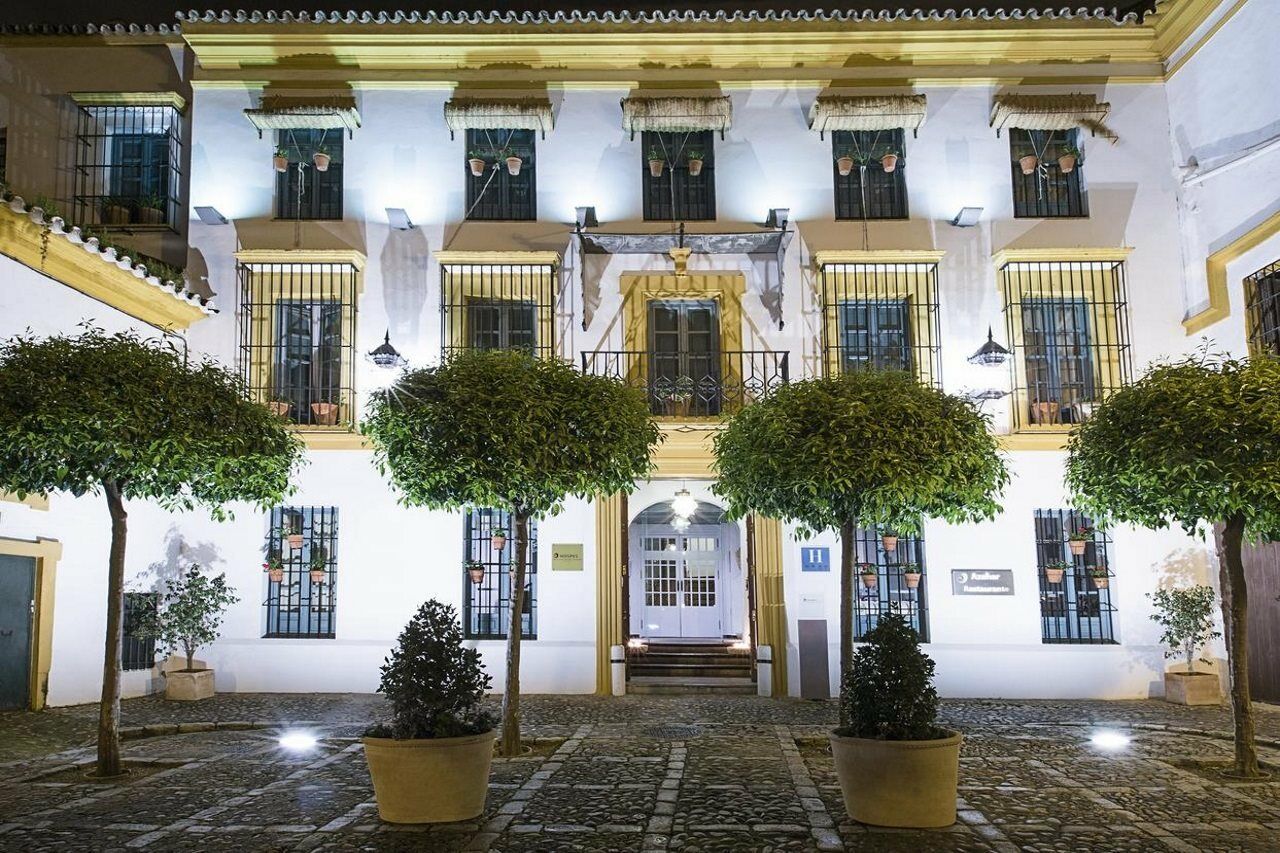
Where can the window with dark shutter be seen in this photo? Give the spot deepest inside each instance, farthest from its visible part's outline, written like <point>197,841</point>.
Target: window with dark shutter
<point>1048,174</point>
<point>868,190</point>
<point>505,187</point>
<point>678,175</point>
<point>303,191</point>
<point>487,603</point>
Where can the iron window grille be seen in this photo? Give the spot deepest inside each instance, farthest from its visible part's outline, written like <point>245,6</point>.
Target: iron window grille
<point>1076,609</point>
<point>684,385</point>
<point>498,306</point>
<point>675,195</point>
<point>487,610</point>
<point>496,194</point>
<point>1069,326</point>
<point>890,593</point>
<point>302,190</point>
<point>137,651</point>
<point>303,603</point>
<point>1048,192</point>
<point>128,166</point>
<point>868,191</point>
<point>882,316</point>
<point>1262,310</point>
<point>297,338</point>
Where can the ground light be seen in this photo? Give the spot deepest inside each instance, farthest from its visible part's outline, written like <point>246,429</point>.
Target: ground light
<point>1110,740</point>
<point>296,740</point>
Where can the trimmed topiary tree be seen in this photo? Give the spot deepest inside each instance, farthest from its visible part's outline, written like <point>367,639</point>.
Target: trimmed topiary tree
<point>133,419</point>
<point>861,449</point>
<point>1193,441</point>
<point>888,692</point>
<point>506,430</point>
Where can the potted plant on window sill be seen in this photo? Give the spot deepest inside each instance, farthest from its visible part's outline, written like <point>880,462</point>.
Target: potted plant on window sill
<point>911,575</point>
<point>498,538</point>
<point>189,616</point>
<point>280,406</point>
<point>321,159</point>
<point>656,163</point>
<point>889,161</point>
<point>274,567</point>
<point>1054,571</point>
<point>1186,615</point>
<point>115,211</point>
<point>1045,412</point>
<point>513,163</point>
<point>1078,539</point>
<point>280,159</point>
<point>475,571</point>
<point>430,764</point>
<point>1067,159</point>
<point>890,542</point>
<point>844,164</point>
<point>326,414</point>
<point>319,564</point>
<point>1028,164</point>
<point>1099,575</point>
<point>695,163</point>
<point>895,765</point>
<point>151,210</point>
<point>476,163</point>
<point>294,537</point>
<point>869,576</point>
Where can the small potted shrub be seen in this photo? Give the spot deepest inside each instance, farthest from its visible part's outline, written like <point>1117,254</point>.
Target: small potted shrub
<point>895,765</point>
<point>115,211</point>
<point>320,157</point>
<point>889,161</point>
<point>655,163</point>
<point>189,616</point>
<point>1077,539</point>
<point>151,210</point>
<point>911,574</point>
<point>844,164</point>
<point>513,163</point>
<point>695,163</point>
<point>280,159</point>
<point>498,538</point>
<point>889,541</point>
<point>1028,164</point>
<point>1186,615</point>
<point>1099,575</point>
<point>274,567</point>
<point>869,576</point>
<point>1054,570</point>
<point>475,571</point>
<point>476,162</point>
<point>326,414</point>
<point>1067,159</point>
<point>430,764</point>
<point>319,564</point>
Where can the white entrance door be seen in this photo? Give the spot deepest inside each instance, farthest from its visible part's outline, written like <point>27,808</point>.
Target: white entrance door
<point>681,579</point>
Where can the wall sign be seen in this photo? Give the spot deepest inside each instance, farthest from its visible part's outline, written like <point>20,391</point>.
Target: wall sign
<point>566,557</point>
<point>982,582</point>
<point>815,559</point>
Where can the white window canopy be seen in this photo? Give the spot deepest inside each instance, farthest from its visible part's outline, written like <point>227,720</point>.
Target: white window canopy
<point>463,114</point>
<point>868,112</point>
<point>278,112</point>
<point>677,114</point>
<point>1051,112</point>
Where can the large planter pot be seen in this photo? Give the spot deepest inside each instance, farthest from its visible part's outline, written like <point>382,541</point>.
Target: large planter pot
<point>115,214</point>
<point>278,408</point>
<point>1192,688</point>
<point>150,216</point>
<point>430,781</point>
<point>908,783</point>
<point>185,685</point>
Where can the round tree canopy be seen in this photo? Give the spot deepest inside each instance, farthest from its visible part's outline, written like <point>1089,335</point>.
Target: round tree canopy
<point>1193,440</point>
<point>76,412</point>
<point>867,447</point>
<point>507,430</point>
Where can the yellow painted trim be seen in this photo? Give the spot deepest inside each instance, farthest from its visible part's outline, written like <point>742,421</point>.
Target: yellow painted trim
<point>611,585</point>
<point>889,256</point>
<point>451,259</point>
<point>257,257</point>
<point>771,608</point>
<point>1216,273</point>
<point>130,99</point>
<point>1004,257</point>
<point>46,552</point>
<point>315,439</point>
<point>1035,440</point>
<point>496,282</point>
<point>33,501</point>
<point>55,256</point>
<point>1172,48</point>
<point>686,451</point>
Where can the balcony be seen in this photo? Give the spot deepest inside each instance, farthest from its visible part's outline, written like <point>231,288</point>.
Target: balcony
<point>693,385</point>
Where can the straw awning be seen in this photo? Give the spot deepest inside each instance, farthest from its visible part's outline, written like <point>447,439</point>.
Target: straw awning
<point>869,112</point>
<point>1051,112</point>
<point>677,114</point>
<point>292,113</point>
<point>462,114</point>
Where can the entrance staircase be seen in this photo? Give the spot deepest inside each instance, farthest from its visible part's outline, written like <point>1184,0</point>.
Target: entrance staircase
<point>690,666</point>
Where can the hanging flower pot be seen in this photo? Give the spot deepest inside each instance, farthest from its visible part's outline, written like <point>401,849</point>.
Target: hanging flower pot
<point>695,163</point>
<point>475,571</point>
<point>889,161</point>
<point>890,541</point>
<point>476,162</point>
<point>655,163</point>
<point>513,165</point>
<point>1100,576</point>
<point>280,160</point>
<point>274,569</point>
<point>912,576</point>
<point>1054,571</point>
<point>498,539</point>
<point>1077,546</point>
<point>294,540</point>
<point>844,164</point>
<point>321,160</point>
<point>317,576</point>
<point>1067,163</point>
<point>1028,163</point>
<point>276,575</point>
<point>869,577</point>
<point>326,413</point>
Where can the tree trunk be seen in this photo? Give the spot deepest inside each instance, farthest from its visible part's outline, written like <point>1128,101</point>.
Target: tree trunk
<point>191,656</point>
<point>846,609</point>
<point>511,693</point>
<point>1235,615</point>
<point>109,708</point>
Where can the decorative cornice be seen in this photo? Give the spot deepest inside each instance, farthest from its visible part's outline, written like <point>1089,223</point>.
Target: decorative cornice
<point>130,99</point>
<point>263,257</point>
<point>534,259</point>
<point>887,256</point>
<point>1074,254</point>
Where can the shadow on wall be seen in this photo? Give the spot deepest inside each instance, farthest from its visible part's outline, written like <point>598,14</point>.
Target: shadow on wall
<point>404,263</point>
<point>1182,568</point>
<point>1110,209</point>
<point>179,555</point>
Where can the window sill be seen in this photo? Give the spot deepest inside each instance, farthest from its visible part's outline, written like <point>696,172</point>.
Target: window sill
<point>903,218</point>
<point>133,227</point>
<point>328,438</point>
<point>1040,439</point>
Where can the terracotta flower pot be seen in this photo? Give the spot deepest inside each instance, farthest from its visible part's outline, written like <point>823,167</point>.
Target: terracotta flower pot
<point>1029,164</point>
<point>514,164</point>
<point>280,164</point>
<point>326,413</point>
<point>440,780</point>
<point>889,162</point>
<point>1077,546</point>
<point>498,541</point>
<point>321,161</point>
<point>655,168</point>
<point>476,575</point>
<point>844,165</point>
<point>869,581</point>
<point>294,540</point>
<point>890,542</point>
<point>275,575</point>
<point>1045,412</point>
<point>278,408</point>
<point>912,579</point>
<point>1067,163</point>
<point>1054,575</point>
<point>115,214</point>
<point>695,168</point>
<point>318,575</point>
<point>183,685</point>
<point>150,216</point>
<point>1102,583</point>
<point>477,167</point>
<point>906,783</point>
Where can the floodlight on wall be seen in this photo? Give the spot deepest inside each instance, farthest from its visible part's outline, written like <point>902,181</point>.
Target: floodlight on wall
<point>990,354</point>
<point>585,217</point>
<point>210,215</point>
<point>778,218</point>
<point>967,217</point>
<point>399,219</point>
<point>385,355</point>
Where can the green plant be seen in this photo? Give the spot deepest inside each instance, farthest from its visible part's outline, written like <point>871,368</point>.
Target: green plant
<point>1057,565</point>
<point>48,205</point>
<point>274,563</point>
<point>480,155</point>
<point>866,569</point>
<point>281,151</point>
<point>888,692</point>
<point>435,685</point>
<point>845,153</point>
<point>1081,534</point>
<point>655,154</point>
<point>319,558</point>
<point>190,612</point>
<point>695,155</point>
<point>153,202</point>
<point>863,449</point>
<point>504,429</point>
<point>1097,572</point>
<point>1068,150</point>
<point>1192,442</point>
<point>1186,615</point>
<point>134,419</point>
<point>322,149</point>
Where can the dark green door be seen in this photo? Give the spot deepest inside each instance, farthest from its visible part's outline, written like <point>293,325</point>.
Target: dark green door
<point>17,601</point>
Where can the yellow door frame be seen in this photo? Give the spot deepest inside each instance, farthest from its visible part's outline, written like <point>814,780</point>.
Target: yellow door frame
<point>46,553</point>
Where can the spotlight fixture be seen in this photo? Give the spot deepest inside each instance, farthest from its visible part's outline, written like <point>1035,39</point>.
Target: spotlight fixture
<point>680,524</point>
<point>297,740</point>
<point>684,504</point>
<point>967,217</point>
<point>385,355</point>
<point>778,218</point>
<point>990,354</point>
<point>210,215</point>
<point>1110,740</point>
<point>399,219</point>
<point>585,217</point>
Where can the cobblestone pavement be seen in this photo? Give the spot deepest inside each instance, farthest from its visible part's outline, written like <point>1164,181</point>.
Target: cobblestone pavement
<point>653,773</point>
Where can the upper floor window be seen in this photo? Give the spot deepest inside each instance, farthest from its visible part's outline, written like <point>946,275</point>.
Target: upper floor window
<point>1048,179</point>
<point>298,328</point>
<point>487,602</point>
<point>890,580</point>
<point>679,175</point>
<point>498,306</point>
<point>501,175</point>
<point>302,570</point>
<point>1262,309</point>
<point>1068,322</point>
<point>310,187</point>
<point>1075,579</point>
<point>870,174</point>
<point>128,160</point>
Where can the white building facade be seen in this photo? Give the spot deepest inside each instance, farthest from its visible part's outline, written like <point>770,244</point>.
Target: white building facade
<point>664,275</point>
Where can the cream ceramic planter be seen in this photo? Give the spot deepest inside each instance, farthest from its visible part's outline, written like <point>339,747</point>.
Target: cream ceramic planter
<point>188,685</point>
<point>439,780</point>
<point>1192,688</point>
<point>906,783</point>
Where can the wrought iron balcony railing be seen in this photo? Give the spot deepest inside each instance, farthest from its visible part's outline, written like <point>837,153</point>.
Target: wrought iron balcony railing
<point>692,385</point>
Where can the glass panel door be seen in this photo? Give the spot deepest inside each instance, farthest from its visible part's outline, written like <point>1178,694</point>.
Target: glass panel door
<point>684,357</point>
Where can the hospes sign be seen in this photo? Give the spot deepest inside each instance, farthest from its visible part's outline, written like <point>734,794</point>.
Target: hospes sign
<point>982,582</point>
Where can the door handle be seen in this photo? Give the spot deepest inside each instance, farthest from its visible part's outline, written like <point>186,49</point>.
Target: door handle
<point>8,633</point>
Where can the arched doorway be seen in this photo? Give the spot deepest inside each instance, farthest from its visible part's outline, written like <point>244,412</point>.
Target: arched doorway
<point>687,580</point>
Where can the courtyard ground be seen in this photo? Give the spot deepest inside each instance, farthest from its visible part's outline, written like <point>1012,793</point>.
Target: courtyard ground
<point>693,773</point>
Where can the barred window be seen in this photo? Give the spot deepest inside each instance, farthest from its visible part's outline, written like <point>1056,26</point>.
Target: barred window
<point>498,306</point>
<point>487,611</point>
<point>127,166</point>
<point>683,187</point>
<point>1069,325</point>
<point>297,331</point>
<point>303,191</point>
<point>1075,589</point>
<point>1047,190</point>
<point>882,316</point>
<point>497,193</point>
<point>302,571</point>
<point>867,191</point>
<point>890,589</point>
<point>1262,308</point>
<point>138,651</point>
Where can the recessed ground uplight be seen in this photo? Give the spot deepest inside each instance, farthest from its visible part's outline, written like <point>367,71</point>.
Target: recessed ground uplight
<point>297,741</point>
<point>1109,740</point>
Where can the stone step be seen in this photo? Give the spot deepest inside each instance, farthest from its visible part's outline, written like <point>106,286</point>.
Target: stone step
<point>653,685</point>
<point>690,671</point>
<point>665,658</point>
